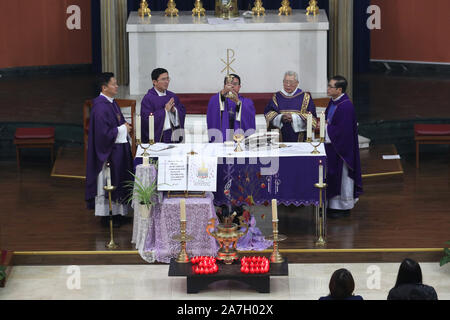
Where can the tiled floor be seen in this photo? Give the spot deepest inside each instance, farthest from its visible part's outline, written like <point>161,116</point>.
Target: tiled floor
<point>305,282</point>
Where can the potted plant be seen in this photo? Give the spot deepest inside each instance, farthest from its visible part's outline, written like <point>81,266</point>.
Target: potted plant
<point>143,195</point>
<point>446,258</point>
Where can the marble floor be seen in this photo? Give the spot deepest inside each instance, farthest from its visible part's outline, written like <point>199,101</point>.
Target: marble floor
<point>150,282</point>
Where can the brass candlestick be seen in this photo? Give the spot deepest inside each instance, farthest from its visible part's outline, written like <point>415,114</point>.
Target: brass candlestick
<point>144,9</point>
<point>111,245</point>
<point>171,9</point>
<point>312,8</point>
<point>198,9</point>
<point>285,8</point>
<point>182,257</point>
<point>276,255</point>
<point>258,8</point>
<point>320,217</point>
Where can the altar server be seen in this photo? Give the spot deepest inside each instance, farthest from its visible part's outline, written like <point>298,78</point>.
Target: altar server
<point>229,112</point>
<point>108,143</point>
<point>168,112</point>
<point>342,149</point>
<point>289,108</point>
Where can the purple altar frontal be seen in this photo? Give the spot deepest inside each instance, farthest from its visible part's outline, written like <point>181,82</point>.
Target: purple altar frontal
<point>286,174</point>
<point>166,224</point>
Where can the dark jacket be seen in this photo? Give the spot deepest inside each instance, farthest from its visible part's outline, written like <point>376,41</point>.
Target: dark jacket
<point>412,291</point>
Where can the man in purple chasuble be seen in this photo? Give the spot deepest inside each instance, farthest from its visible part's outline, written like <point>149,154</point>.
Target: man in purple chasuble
<point>342,149</point>
<point>288,110</point>
<point>108,142</point>
<point>229,112</point>
<point>168,112</point>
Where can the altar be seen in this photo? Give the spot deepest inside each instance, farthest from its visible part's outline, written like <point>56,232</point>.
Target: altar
<point>197,50</point>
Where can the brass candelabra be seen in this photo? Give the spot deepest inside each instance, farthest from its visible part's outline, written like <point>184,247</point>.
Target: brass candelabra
<point>285,8</point>
<point>258,8</point>
<point>312,8</point>
<point>198,9</point>
<point>171,9</point>
<point>144,9</point>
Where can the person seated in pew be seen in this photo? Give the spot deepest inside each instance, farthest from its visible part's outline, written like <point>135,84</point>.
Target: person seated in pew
<point>169,113</point>
<point>229,112</point>
<point>288,110</point>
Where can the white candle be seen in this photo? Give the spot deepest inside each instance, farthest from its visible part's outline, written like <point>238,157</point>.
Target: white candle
<point>145,161</point>
<point>108,176</point>
<point>138,127</point>
<point>151,126</point>
<point>322,125</point>
<point>309,126</point>
<point>183,210</point>
<point>274,210</point>
<point>320,173</point>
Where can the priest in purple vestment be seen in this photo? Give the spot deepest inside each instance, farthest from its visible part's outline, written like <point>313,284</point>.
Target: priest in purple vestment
<point>229,112</point>
<point>288,110</point>
<point>342,149</point>
<point>108,143</point>
<point>168,112</point>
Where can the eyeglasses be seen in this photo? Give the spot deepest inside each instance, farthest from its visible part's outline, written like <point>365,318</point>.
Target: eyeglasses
<point>331,87</point>
<point>164,79</point>
<point>290,82</point>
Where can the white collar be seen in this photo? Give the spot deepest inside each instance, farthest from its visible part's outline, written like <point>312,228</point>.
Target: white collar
<point>338,97</point>
<point>109,99</point>
<point>161,94</point>
<point>289,94</point>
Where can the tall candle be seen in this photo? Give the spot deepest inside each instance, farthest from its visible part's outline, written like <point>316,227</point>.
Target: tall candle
<point>151,126</point>
<point>183,210</point>
<point>320,172</point>
<point>322,125</point>
<point>138,127</point>
<point>274,210</point>
<point>108,176</point>
<point>309,126</point>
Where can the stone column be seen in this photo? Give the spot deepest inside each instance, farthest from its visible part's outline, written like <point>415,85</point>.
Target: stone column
<point>341,41</point>
<point>115,39</point>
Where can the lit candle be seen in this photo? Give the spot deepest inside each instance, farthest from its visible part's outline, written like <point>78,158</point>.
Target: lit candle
<point>138,127</point>
<point>108,176</point>
<point>183,210</point>
<point>309,126</point>
<point>274,210</point>
<point>322,125</point>
<point>151,126</point>
<point>320,173</point>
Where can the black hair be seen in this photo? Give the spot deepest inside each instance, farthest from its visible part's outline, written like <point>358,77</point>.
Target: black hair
<point>234,76</point>
<point>341,82</point>
<point>409,272</point>
<point>157,72</point>
<point>341,284</point>
<point>103,79</point>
